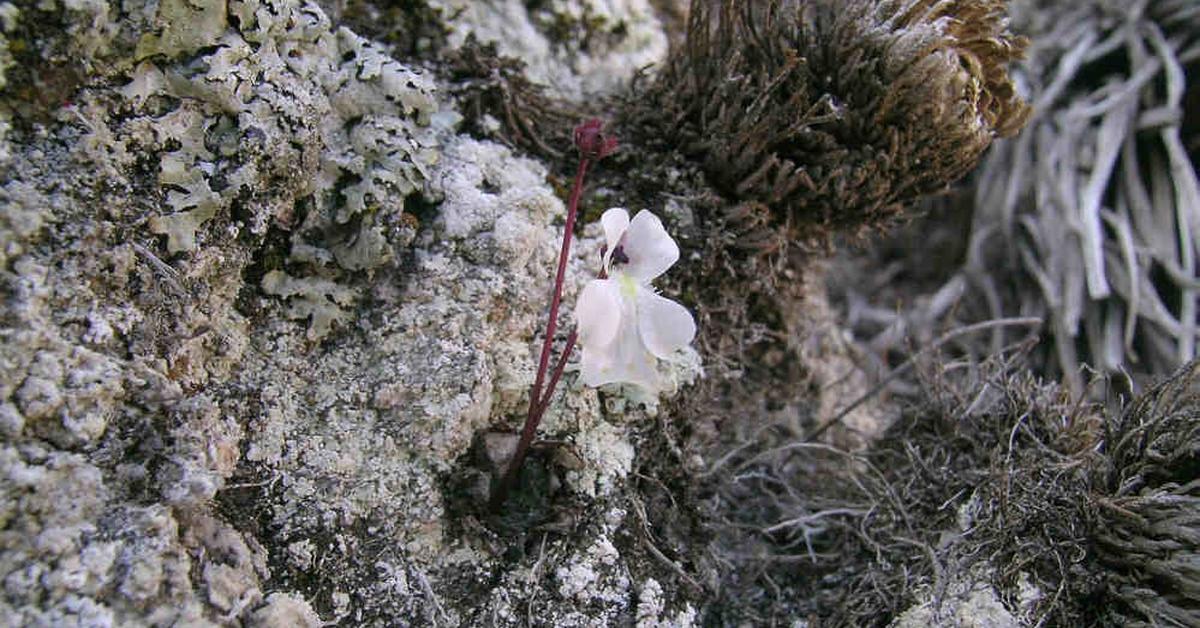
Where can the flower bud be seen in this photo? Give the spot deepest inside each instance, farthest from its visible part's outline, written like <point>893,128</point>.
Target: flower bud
<point>591,140</point>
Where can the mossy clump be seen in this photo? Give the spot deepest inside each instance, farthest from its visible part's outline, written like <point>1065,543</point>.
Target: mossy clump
<point>990,481</point>
<point>1149,532</point>
<point>835,114</point>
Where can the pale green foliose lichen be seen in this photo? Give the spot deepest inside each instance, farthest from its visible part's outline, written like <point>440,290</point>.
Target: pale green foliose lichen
<point>277,93</point>
<point>318,300</point>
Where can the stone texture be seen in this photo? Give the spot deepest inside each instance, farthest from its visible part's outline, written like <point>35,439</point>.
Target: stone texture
<point>259,300</point>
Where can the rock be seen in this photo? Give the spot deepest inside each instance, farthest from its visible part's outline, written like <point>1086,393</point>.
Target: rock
<point>578,48</point>
<point>260,298</point>
<point>974,607</point>
<point>285,611</point>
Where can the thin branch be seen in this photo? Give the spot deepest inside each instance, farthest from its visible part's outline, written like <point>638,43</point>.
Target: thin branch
<point>900,370</point>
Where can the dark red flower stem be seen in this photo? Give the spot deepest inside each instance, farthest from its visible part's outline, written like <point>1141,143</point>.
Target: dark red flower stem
<point>562,360</point>
<point>537,405</point>
<point>593,145</point>
<point>558,371</point>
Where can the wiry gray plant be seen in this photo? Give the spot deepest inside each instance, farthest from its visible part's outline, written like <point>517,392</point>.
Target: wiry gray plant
<point>1096,206</point>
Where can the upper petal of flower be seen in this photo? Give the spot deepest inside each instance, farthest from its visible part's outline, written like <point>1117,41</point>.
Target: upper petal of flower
<point>665,326</point>
<point>598,312</point>
<point>615,222</point>
<point>650,250</point>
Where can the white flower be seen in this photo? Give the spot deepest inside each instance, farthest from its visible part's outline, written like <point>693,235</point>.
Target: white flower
<point>623,324</point>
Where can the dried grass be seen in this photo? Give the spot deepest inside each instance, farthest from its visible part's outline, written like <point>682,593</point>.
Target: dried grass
<point>989,476</point>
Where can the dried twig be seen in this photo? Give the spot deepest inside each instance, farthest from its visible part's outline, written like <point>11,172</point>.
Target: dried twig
<point>907,364</point>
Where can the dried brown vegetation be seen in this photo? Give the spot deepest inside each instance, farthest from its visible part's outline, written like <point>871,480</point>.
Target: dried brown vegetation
<point>820,115</point>
<point>412,28</point>
<point>807,119</point>
<point>979,480</point>
<point>988,479</point>
<point>486,83</point>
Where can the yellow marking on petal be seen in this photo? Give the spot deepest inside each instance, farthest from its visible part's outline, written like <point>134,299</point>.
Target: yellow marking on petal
<point>628,285</point>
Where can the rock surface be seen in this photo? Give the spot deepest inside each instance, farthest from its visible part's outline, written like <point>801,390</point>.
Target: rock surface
<point>259,301</point>
<point>270,317</point>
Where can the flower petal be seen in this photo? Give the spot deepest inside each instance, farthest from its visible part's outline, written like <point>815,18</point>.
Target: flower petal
<point>598,312</point>
<point>633,364</point>
<point>624,358</point>
<point>665,326</point>
<point>624,361</point>
<point>615,222</point>
<point>649,249</point>
<point>595,364</point>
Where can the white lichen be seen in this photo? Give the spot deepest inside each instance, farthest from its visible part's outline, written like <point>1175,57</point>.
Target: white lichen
<point>578,48</point>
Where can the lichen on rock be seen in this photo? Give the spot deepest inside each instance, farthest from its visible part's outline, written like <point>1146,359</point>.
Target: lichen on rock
<point>318,301</point>
<point>255,138</point>
<point>373,424</point>
<point>275,116</point>
<point>577,48</point>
